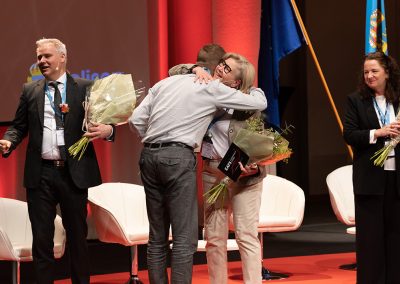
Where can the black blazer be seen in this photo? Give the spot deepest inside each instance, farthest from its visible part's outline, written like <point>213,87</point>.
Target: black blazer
<point>29,121</point>
<point>360,117</point>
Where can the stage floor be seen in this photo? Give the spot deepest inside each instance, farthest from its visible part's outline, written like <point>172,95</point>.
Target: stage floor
<point>311,253</point>
<point>318,269</point>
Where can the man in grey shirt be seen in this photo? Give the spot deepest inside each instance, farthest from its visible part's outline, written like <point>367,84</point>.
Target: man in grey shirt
<point>172,120</point>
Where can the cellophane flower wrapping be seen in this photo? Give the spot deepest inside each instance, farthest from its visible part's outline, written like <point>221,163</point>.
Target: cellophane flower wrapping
<point>382,154</point>
<point>257,145</point>
<point>110,100</point>
<point>263,146</point>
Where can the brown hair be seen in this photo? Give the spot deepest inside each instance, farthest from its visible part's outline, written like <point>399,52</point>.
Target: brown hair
<point>392,90</point>
<point>209,56</point>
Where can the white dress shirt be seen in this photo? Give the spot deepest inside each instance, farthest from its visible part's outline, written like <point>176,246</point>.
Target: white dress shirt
<point>50,149</point>
<point>219,134</point>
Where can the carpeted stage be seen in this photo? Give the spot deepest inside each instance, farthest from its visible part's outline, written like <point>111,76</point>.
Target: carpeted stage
<point>312,254</point>
<point>319,269</point>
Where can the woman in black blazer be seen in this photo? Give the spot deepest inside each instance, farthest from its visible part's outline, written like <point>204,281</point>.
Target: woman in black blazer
<point>369,123</point>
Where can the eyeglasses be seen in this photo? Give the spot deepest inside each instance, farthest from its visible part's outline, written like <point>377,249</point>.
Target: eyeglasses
<point>227,68</point>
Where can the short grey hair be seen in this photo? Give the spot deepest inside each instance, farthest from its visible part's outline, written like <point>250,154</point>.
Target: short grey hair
<point>59,45</point>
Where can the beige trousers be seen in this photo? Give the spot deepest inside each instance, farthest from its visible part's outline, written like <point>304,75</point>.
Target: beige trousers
<point>244,203</point>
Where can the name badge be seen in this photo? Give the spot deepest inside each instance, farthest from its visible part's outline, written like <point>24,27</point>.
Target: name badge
<point>60,137</point>
<point>206,149</point>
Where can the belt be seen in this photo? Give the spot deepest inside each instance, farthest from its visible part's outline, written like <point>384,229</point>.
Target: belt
<point>166,144</point>
<point>54,163</point>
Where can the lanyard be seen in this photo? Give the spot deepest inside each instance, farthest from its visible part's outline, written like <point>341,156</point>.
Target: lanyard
<point>383,118</point>
<point>51,99</point>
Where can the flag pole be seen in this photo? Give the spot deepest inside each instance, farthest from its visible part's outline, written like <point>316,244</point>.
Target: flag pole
<point>321,74</point>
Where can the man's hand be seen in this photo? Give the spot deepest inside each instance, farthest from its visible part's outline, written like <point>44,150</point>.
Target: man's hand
<point>201,75</point>
<point>5,146</point>
<point>98,131</point>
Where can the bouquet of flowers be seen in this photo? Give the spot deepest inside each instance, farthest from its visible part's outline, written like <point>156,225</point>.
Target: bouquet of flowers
<point>262,146</point>
<point>382,154</point>
<point>111,100</point>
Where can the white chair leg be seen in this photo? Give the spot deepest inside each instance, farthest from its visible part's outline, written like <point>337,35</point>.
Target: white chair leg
<point>133,277</point>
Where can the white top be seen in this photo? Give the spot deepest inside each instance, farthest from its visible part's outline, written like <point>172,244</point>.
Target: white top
<point>50,149</point>
<point>219,133</point>
<point>177,109</point>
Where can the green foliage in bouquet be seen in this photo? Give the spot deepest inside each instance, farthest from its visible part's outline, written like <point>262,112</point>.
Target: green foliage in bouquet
<point>382,154</point>
<point>263,146</point>
<point>278,146</point>
<point>218,191</point>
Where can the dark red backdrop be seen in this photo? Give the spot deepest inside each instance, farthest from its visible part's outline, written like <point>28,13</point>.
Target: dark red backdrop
<point>176,31</point>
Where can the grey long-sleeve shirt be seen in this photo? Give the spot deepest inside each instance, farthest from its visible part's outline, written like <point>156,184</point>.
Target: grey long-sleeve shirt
<point>179,110</point>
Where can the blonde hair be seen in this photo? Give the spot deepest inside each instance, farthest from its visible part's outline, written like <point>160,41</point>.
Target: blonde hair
<point>246,70</point>
<point>60,47</point>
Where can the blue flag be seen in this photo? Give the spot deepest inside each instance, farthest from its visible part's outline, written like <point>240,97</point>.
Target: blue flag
<point>375,27</point>
<point>280,35</point>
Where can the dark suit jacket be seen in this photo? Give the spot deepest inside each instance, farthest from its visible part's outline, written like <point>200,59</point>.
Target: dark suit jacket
<point>29,121</point>
<point>360,117</point>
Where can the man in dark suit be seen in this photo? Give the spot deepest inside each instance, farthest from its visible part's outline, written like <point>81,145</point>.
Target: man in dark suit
<point>50,111</point>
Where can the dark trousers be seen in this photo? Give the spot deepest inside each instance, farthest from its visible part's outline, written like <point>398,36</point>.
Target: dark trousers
<point>378,235</point>
<point>56,187</point>
<point>169,178</point>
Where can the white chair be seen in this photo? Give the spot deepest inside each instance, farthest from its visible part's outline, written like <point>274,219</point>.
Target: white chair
<point>120,216</point>
<point>282,210</point>
<point>340,186</point>
<point>16,234</point>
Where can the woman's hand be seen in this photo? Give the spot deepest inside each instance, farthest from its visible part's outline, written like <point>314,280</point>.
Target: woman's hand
<point>248,170</point>
<point>390,130</point>
<point>201,75</point>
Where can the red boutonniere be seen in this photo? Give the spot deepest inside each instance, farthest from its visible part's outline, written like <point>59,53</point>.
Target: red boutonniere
<point>64,108</point>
